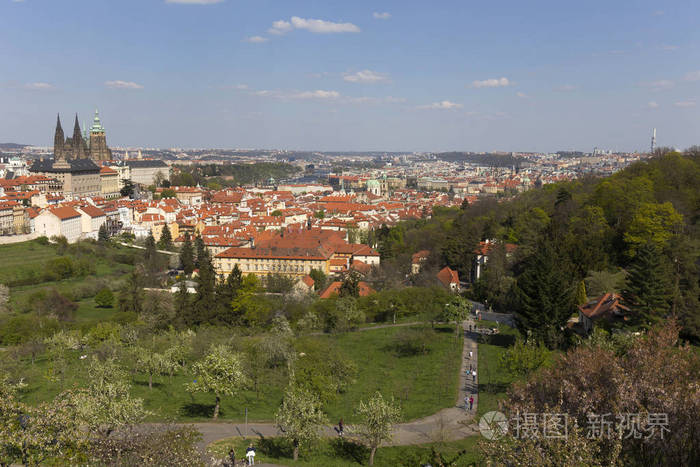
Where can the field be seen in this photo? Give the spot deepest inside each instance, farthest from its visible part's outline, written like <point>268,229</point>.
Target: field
<point>412,380</point>
<point>337,453</point>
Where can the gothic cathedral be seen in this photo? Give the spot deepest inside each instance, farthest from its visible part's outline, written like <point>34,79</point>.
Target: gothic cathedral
<point>80,146</point>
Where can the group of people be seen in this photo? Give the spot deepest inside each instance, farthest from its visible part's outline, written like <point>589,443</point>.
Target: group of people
<point>249,454</point>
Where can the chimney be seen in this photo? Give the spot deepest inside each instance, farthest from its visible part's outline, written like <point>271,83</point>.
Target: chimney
<point>251,240</point>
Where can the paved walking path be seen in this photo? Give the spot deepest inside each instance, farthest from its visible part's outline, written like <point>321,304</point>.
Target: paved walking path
<point>448,424</point>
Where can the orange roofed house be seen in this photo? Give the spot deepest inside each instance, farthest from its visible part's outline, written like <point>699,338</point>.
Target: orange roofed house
<point>63,221</point>
<point>605,308</point>
<point>293,254</point>
<point>449,279</point>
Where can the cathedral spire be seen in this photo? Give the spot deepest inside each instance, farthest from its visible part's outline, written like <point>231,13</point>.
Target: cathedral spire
<point>58,140</point>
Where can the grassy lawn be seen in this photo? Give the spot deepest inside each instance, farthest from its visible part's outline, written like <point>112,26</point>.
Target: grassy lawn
<point>337,453</point>
<point>493,380</point>
<point>20,258</point>
<point>422,384</point>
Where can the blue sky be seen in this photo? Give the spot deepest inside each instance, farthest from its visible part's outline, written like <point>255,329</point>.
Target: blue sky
<point>355,75</point>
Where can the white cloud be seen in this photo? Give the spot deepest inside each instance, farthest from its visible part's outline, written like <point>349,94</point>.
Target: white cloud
<point>668,48</point>
<point>366,76</point>
<point>383,15</point>
<point>118,84</point>
<point>443,105</point>
<point>692,76</point>
<point>566,88</point>
<point>256,39</point>
<point>491,83</point>
<point>317,26</point>
<point>685,104</point>
<point>194,2</point>
<point>375,100</point>
<point>318,94</point>
<point>280,27</point>
<point>39,86</point>
<point>660,84</point>
<point>522,95</point>
<point>652,105</point>
<point>323,27</point>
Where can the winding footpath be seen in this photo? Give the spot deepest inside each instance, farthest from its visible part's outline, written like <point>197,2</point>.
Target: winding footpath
<point>449,424</point>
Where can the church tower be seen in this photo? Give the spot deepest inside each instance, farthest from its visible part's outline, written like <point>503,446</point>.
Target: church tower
<point>79,148</point>
<point>58,141</point>
<point>98,141</point>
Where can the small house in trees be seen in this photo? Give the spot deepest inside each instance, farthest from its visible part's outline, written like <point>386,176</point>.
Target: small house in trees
<point>481,256</point>
<point>305,284</point>
<point>334,289</point>
<point>606,307</point>
<point>449,279</point>
<point>418,259</point>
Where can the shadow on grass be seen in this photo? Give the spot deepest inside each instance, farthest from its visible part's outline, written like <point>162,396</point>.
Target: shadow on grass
<point>145,384</point>
<point>275,447</point>
<point>500,340</point>
<point>199,410</point>
<point>493,388</point>
<point>350,451</point>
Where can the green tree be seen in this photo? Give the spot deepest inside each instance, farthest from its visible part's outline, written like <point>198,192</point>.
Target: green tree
<point>220,373</point>
<point>187,255</point>
<point>647,291</point>
<point>377,417</point>
<point>524,357</point>
<point>153,363</point>
<point>652,223</point>
<point>102,234</point>
<point>581,297</point>
<point>104,298</point>
<point>351,285</point>
<point>545,295</point>
<point>131,293</point>
<point>300,418</point>
<point>204,302</point>
<point>456,311</point>
<point>319,279</point>
<point>166,239</point>
<point>168,193</point>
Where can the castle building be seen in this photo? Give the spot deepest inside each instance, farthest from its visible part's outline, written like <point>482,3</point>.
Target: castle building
<point>74,163</point>
<point>79,146</point>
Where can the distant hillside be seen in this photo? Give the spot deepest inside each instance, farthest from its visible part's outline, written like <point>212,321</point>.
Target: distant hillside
<point>12,146</point>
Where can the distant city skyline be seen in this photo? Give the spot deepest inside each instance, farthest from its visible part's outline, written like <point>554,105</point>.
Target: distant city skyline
<point>357,76</point>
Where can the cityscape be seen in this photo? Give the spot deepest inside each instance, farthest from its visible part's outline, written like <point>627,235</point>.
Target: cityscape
<point>275,235</point>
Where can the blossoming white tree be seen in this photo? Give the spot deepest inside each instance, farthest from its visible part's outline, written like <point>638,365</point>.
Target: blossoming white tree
<point>377,416</point>
<point>220,373</point>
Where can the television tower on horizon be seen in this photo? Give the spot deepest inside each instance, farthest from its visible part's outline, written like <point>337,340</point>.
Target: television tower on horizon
<point>653,140</point>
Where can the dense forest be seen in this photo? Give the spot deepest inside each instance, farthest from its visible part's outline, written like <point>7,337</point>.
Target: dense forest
<point>231,174</point>
<point>635,233</point>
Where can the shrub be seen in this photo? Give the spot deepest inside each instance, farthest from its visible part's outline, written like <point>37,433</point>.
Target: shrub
<point>410,342</point>
<point>104,298</point>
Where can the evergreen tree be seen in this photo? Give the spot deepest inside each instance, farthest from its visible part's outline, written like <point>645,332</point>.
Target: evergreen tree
<point>187,255</point>
<point>102,234</point>
<point>545,295</point>
<point>350,286</point>
<point>151,259</point>
<point>166,239</point>
<point>226,291</point>
<point>581,297</point>
<point>648,291</point>
<point>131,294</point>
<point>204,300</point>
<point>183,310</point>
<point>201,251</point>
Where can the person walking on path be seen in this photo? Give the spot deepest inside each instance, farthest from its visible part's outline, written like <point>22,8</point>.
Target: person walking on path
<point>232,457</point>
<point>470,354</point>
<point>250,454</point>
<point>466,403</point>
<point>340,428</point>
<point>471,402</point>
<point>473,375</point>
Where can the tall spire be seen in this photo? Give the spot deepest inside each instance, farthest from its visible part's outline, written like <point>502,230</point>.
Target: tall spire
<point>58,140</point>
<point>78,150</point>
